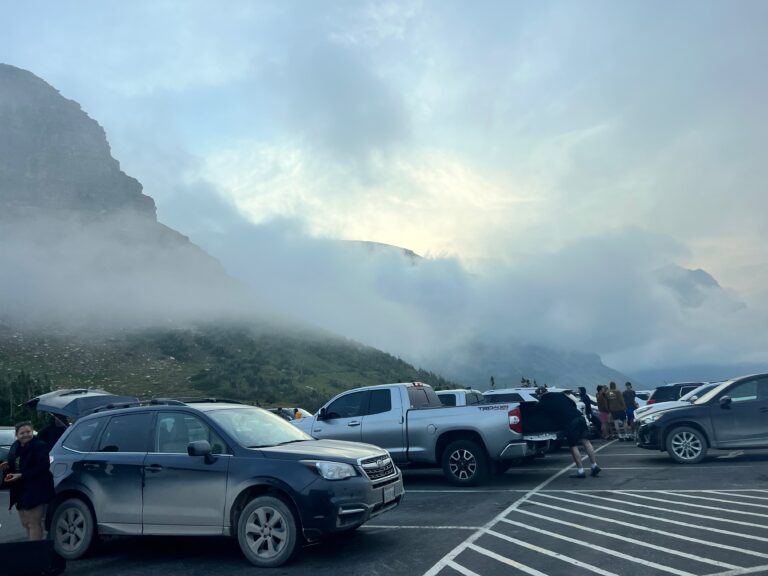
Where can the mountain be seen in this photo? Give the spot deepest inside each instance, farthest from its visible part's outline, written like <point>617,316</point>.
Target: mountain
<point>96,292</point>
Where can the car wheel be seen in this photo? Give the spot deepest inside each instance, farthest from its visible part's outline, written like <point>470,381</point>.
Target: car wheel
<point>465,463</point>
<point>267,532</point>
<point>686,445</point>
<point>73,528</point>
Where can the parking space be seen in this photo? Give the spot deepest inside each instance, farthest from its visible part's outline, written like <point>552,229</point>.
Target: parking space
<point>643,516</point>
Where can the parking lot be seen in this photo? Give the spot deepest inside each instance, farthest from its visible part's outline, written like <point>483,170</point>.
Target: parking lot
<point>644,515</point>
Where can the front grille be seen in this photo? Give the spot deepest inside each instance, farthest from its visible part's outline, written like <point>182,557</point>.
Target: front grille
<point>378,467</point>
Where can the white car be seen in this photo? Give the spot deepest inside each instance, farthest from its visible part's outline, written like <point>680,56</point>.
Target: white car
<point>461,397</point>
<point>684,401</point>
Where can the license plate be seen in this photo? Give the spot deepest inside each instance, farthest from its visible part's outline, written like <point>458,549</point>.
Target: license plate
<point>389,493</point>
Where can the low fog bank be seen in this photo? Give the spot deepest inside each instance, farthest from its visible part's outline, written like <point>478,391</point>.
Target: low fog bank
<point>621,295</point>
<point>120,271</point>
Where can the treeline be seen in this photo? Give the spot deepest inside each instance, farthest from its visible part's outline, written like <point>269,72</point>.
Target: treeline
<point>17,388</point>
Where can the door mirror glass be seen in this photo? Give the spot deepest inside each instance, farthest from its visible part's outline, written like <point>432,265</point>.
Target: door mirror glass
<point>725,402</point>
<point>321,414</point>
<point>199,448</point>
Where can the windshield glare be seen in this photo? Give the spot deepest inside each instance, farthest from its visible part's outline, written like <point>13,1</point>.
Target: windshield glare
<point>709,394</point>
<point>698,391</point>
<point>251,427</point>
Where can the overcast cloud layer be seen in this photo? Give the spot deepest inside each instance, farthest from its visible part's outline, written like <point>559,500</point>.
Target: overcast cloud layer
<point>550,158</point>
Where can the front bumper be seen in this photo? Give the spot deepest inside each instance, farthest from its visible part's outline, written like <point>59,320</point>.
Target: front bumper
<point>649,436</point>
<point>329,506</point>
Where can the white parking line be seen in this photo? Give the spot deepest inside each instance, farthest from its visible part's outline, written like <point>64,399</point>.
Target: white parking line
<point>392,527</point>
<point>758,514</point>
<point>731,493</point>
<point>662,532</point>
<point>742,571</point>
<point>624,538</point>
<point>716,500</point>
<point>628,503</point>
<point>643,561</point>
<point>461,569</point>
<point>546,552</point>
<point>505,560</point>
<point>469,541</point>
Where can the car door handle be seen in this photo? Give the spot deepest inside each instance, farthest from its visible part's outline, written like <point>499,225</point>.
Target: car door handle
<point>764,409</point>
<point>153,468</point>
<point>91,466</point>
<point>354,423</point>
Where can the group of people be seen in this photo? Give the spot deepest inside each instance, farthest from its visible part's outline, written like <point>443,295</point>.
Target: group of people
<point>615,410</point>
<point>27,473</point>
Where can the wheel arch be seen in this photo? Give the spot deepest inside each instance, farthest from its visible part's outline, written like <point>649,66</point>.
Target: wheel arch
<point>451,436</point>
<point>263,487</point>
<point>66,495</point>
<point>684,424</point>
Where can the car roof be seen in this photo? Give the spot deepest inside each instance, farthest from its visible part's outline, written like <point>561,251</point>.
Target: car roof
<point>170,405</point>
<point>454,390</point>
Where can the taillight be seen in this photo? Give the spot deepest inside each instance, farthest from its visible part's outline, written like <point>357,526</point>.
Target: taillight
<point>650,401</point>
<point>515,420</point>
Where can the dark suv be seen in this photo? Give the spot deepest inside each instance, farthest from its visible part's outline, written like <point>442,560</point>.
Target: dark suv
<point>671,392</point>
<point>733,414</point>
<point>212,469</point>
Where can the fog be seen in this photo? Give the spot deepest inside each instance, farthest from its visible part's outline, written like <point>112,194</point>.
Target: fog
<point>560,168</point>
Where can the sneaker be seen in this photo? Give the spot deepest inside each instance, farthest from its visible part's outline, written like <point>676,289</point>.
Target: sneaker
<point>577,475</point>
<point>595,471</point>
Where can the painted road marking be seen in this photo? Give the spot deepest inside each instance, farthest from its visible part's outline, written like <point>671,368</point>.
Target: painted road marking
<point>758,514</point>
<point>716,500</point>
<point>731,493</point>
<point>507,561</point>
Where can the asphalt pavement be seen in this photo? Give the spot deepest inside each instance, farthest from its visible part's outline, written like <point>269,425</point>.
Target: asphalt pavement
<point>644,515</point>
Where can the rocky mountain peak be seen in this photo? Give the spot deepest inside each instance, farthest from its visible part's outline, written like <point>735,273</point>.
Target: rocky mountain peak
<point>55,158</point>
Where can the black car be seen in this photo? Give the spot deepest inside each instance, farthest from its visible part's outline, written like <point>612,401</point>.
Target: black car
<point>670,392</point>
<point>212,469</point>
<point>7,438</point>
<point>732,415</point>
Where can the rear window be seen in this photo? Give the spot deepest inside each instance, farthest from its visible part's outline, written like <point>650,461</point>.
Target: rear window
<point>7,437</point>
<point>83,434</point>
<point>475,398</point>
<point>447,399</point>
<point>665,394</point>
<point>423,397</point>
<point>499,398</point>
<point>642,395</point>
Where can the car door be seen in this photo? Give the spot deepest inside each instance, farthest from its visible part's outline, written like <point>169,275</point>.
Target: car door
<point>114,471</point>
<point>742,422</point>
<point>184,494</point>
<point>343,417</point>
<point>383,425</point>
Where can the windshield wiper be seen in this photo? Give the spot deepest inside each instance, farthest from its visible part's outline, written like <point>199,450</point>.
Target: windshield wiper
<point>291,441</point>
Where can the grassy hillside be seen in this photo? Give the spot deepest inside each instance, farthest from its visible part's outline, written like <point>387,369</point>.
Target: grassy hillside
<point>265,367</point>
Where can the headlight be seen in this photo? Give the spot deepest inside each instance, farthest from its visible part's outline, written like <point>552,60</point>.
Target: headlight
<point>650,418</point>
<point>331,470</point>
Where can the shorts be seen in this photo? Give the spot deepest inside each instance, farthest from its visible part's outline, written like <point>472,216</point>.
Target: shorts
<point>620,415</point>
<point>576,431</point>
<point>603,417</point>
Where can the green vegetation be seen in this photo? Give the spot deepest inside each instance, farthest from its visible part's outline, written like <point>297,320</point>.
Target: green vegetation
<point>292,368</point>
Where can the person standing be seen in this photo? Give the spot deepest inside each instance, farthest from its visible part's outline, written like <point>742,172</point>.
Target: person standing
<point>630,401</point>
<point>567,417</point>
<point>602,411</point>
<point>618,410</point>
<point>30,480</point>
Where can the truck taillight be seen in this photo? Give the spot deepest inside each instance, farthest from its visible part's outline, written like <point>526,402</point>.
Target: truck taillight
<point>651,401</point>
<point>515,420</point>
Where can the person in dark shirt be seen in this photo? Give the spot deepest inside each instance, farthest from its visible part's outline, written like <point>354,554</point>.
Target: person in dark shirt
<point>567,417</point>
<point>51,433</point>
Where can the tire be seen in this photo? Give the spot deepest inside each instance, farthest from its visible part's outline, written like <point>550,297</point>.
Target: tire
<point>686,445</point>
<point>267,532</point>
<point>73,529</point>
<point>465,463</point>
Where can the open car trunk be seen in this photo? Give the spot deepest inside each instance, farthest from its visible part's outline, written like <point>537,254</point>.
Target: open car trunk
<point>535,422</point>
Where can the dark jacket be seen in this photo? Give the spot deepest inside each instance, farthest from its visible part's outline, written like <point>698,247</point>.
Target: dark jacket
<point>559,408</point>
<point>35,486</point>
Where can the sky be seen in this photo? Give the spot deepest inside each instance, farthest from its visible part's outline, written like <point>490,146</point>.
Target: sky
<point>550,160</point>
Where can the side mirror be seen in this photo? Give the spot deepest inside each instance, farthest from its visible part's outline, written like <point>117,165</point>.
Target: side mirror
<point>693,399</point>
<point>201,448</point>
<point>321,414</point>
<point>725,402</point>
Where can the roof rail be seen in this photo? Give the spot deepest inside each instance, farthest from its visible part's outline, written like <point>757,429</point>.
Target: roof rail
<point>192,400</point>
<point>120,405</point>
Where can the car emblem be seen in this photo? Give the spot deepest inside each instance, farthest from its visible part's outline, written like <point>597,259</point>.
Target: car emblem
<point>380,463</point>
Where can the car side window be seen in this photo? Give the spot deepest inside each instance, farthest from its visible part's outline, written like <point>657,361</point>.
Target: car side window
<point>83,434</point>
<point>685,389</point>
<point>380,401</point>
<point>762,388</point>
<point>447,399</point>
<point>743,391</point>
<point>126,433</point>
<point>175,430</point>
<point>348,406</point>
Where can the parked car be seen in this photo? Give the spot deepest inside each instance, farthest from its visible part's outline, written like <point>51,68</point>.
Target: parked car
<point>183,469</point>
<point>683,401</point>
<point>290,413</point>
<point>460,397</point>
<point>642,396</point>
<point>731,415</point>
<point>674,391</point>
<point>7,437</point>
<point>410,422</point>
<point>500,395</point>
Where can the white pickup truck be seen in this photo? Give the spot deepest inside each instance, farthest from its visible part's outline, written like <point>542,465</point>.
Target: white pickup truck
<point>408,420</point>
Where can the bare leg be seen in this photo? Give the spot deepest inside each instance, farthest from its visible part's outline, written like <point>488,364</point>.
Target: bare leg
<point>590,451</point>
<point>576,456</point>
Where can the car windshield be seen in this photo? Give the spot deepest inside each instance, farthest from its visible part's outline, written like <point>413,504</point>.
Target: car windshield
<point>698,391</point>
<point>257,428</point>
<point>7,437</point>
<point>712,392</point>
